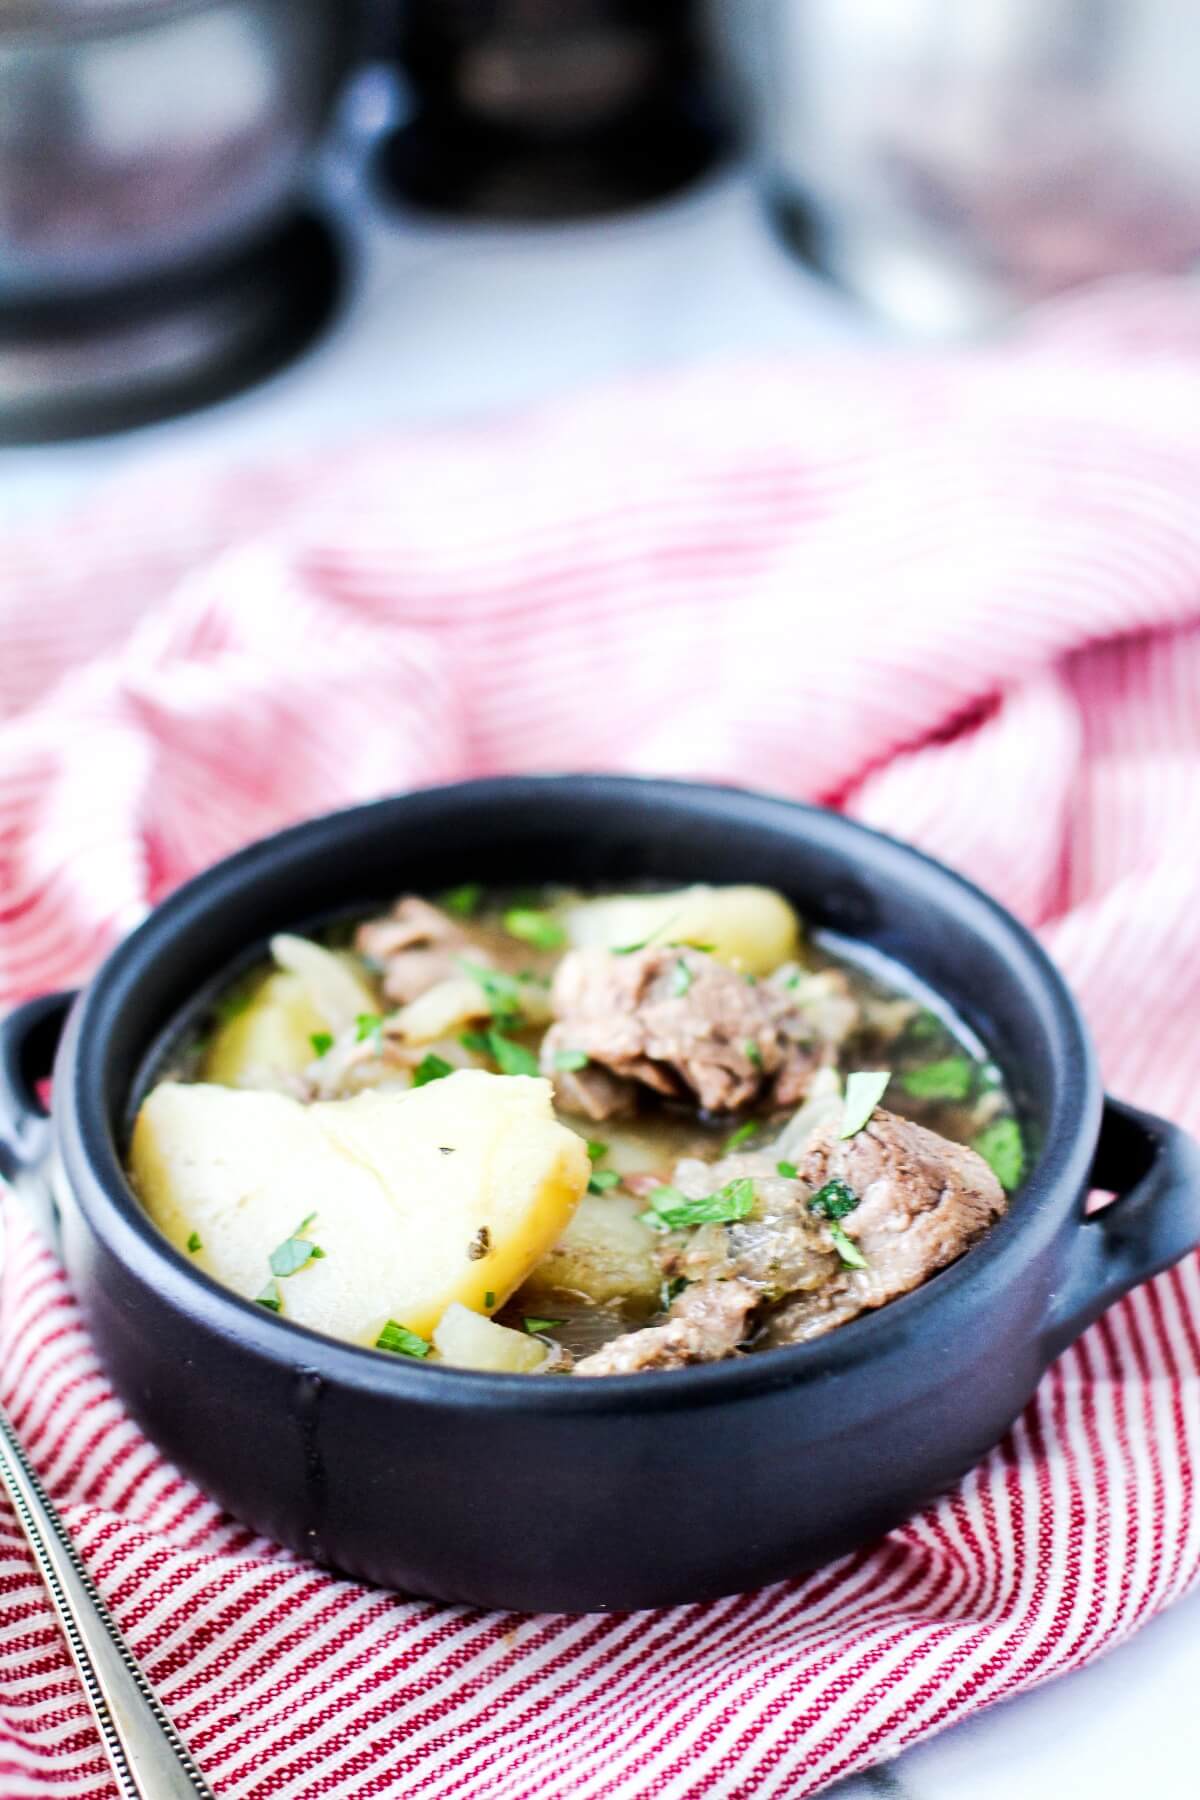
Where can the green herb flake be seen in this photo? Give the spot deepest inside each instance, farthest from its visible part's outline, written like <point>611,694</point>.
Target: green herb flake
<point>502,992</point>
<point>270,1297</point>
<point>193,1242</point>
<point>431,1068</point>
<point>924,1026</point>
<point>478,1042</point>
<point>322,1042</point>
<point>596,1150</point>
<point>511,1058</point>
<point>681,978</point>
<point>864,1091</point>
<point>571,1059</point>
<point>949,1079</point>
<point>788,1170</point>
<point>740,1136</point>
<point>489,1299</point>
<point>463,901</point>
<point>729,1204</point>
<point>541,929</point>
<point>368,1025</point>
<point>852,1257</point>
<point>671,1290</point>
<point>535,1327</point>
<point>401,1341</point>
<point>753,1053</point>
<point>295,1252</point>
<point>1002,1147</point>
<point>834,1200</point>
<point>602,1180</point>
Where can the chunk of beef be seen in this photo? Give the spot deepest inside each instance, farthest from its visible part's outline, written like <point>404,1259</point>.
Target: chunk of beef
<point>680,1022</point>
<point>923,1200</point>
<point>415,944</point>
<point>706,1324</point>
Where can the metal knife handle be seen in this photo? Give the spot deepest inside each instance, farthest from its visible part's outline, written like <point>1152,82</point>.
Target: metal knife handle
<point>148,1757</point>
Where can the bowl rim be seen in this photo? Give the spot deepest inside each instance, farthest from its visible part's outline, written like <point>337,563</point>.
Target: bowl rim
<point>106,1198</point>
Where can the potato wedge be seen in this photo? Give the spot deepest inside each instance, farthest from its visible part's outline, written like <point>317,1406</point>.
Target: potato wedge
<point>271,1036</point>
<point>449,1192</point>
<point>752,928</point>
<point>470,1341</point>
<point>605,1252</point>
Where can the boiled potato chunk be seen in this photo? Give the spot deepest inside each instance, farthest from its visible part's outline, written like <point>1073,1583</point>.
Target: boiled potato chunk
<point>448,1192</point>
<point>605,1252</point>
<point>471,1342</point>
<point>753,928</point>
<point>271,1036</point>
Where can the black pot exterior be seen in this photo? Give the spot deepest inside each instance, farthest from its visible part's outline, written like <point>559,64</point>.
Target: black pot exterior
<point>541,1493</point>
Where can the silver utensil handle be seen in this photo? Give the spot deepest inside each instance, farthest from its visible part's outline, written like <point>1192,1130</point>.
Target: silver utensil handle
<point>148,1757</point>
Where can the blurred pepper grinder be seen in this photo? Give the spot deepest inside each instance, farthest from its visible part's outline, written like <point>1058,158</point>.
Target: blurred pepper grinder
<point>549,109</point>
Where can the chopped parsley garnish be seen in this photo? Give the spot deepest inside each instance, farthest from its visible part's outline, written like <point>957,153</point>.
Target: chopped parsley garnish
<point>788,1170</point>
<point>463,901</point>
<point>541,929</point>
<point>368,1025</point>
<point>270,1297</point>
<point>401,1341</point>
<point>834,1200</point>
<point>596,1150</point>
<point>652,937</point>
<point>1001,1146</point>
<point>510,1057</point>
<point>925,1025</point>
<point>193,1242</point>
<point>431,1068</point>
<point>321,1041</point>
<point>571,1059</point>
<point>536,1326</point>
<point>740,1136</point>
<point>295,1252</point>
<point>864,1091</point>
<point>681,978</point>
<point>949,1079</point>
<point>852,1257</point>
<point>502,992</point>
<point>753,1053</point>
<point>671,1290</point>
<point>750,980</point>
<point>732,1202</point>
<point>489,1299</point>
<point>603,1179</point>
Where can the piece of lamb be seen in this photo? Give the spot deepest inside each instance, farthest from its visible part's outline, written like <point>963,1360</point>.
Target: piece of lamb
<point>680,1022</point>
<point>923,1201</point>
<point>416,945</point>
<point>706,1324</point>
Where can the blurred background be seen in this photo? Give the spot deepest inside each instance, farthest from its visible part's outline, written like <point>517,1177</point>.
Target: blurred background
<point>245,222</point>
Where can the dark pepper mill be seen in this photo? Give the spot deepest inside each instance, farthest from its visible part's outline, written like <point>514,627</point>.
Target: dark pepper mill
<point>548,109</point>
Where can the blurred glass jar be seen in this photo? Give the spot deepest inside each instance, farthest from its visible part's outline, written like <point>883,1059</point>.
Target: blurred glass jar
<point>949,160</point>
<point>141,137</point>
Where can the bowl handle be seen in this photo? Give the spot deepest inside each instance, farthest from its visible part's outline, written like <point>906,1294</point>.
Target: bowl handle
<point>28,1040</point>
<point>1153,1168</point>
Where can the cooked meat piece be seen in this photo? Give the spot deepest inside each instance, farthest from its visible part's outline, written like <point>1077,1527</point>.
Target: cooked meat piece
<point>415,944</point>
<point>680,1022</point>
<point>706,1323</point>
<point>923,1200</point>
<point>782,1249</point>
<point>591,1092</point>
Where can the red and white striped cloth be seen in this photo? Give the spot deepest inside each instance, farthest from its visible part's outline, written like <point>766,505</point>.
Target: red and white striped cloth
<point>959,596</point>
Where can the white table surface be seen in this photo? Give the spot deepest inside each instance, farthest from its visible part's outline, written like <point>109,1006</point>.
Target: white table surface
<point>450,322</point>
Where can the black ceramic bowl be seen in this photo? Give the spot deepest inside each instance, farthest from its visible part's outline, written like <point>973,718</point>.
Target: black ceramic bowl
<point>534,1491</point>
